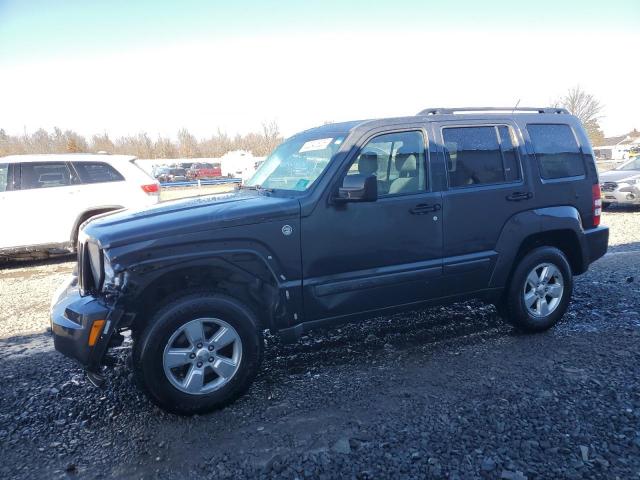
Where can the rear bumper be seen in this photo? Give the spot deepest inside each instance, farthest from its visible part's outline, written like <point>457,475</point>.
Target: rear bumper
<point>72,317</point>
<point>597,241</point>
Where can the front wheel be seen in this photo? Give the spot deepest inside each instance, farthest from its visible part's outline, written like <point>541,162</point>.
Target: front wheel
<point>540,290</point>
<point>198,353</point>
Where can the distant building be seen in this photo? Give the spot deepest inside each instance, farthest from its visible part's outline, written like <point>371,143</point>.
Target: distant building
<point>618,148</point>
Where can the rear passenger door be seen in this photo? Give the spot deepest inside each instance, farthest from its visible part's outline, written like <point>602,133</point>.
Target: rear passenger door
<point>101,185</point>
<point>486,185</point>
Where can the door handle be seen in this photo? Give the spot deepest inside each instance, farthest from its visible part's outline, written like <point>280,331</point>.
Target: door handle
<point>424,208</point>
<point>519,196</point>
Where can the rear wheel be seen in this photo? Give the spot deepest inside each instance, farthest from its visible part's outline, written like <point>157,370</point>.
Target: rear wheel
<point>540,290</point>
<point>198,353</point>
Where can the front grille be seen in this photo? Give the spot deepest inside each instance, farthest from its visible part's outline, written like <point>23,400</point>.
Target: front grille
<point>609,186</point>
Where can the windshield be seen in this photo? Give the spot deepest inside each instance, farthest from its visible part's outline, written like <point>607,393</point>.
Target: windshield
<point>298,162</point>
<point>630,165</point>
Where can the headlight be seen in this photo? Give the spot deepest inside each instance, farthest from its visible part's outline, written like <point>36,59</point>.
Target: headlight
<point>111,278</point>
<point>96,263</point>
<point>108,271</point>
<point>632,181</point>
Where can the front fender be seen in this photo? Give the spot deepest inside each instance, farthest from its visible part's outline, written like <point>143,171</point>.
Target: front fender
<point>236,255</point>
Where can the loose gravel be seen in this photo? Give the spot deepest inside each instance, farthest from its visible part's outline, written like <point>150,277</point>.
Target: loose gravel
<point>442,393</point>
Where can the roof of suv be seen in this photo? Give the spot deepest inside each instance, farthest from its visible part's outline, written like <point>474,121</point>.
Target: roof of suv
<point>529,114</point>
<point>66,157</point>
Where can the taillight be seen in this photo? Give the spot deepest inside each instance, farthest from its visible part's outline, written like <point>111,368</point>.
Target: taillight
<point>151,188</point>
<point>597,204</point>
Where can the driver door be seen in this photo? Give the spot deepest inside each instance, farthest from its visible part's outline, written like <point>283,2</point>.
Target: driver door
<point>360,257</point>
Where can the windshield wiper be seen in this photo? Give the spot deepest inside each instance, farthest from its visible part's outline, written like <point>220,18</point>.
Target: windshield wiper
<point>258,188</point>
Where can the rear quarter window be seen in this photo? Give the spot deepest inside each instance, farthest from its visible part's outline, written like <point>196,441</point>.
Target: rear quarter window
<point>557,151</point>
<point>97,172</point>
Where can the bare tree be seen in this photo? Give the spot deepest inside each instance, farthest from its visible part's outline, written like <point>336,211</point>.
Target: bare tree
<point>164,148</point>
<point>58,141</point>
<point>272,137</point>
<point>587,108</point>
<point>217,145</point>
<point>40,142</point>
<point>140,146</point>
<point>102,143</point>
<point>187,144</point>
<point>5,148</point>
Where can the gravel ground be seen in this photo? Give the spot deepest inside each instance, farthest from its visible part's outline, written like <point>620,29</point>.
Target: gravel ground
<point>441,393</point>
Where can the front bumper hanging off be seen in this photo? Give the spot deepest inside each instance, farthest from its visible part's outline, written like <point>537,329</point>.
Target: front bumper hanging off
<point>73,317</point>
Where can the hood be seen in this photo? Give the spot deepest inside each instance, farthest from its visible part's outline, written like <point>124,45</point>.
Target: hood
<point>618,175</point>
<point>189,215</point>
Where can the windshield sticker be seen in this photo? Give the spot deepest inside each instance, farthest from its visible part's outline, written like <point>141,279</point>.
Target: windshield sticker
<point>301,184</point>
<point>312,145</point>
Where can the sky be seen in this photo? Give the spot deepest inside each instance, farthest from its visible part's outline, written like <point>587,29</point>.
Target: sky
<point>124,67</point>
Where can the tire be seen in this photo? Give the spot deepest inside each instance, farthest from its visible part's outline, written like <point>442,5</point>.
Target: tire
<point>165,386</point>
<point>606,205</point>
<point>520,290</point>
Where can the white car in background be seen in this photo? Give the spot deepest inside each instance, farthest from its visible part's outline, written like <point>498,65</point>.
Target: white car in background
<point>621,186</point>
<point>240,164</point>
<point>45,198</point>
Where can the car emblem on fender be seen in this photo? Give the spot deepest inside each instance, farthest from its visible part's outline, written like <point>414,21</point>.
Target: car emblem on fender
<point>287,230</point>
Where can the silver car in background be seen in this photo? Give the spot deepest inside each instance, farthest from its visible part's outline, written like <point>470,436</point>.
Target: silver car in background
<point>621,186</point>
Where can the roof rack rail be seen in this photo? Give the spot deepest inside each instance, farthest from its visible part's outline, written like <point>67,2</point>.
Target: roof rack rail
<point>445,111</point>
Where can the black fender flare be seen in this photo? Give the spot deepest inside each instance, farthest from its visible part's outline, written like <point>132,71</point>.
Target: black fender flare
<point>257,270</point>
<point>525,224</point>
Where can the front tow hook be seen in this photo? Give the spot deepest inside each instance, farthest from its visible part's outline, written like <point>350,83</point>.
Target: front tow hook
<point>96,379</point>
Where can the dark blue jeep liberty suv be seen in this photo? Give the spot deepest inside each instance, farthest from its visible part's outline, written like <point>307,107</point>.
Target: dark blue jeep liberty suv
<point>341,222</point>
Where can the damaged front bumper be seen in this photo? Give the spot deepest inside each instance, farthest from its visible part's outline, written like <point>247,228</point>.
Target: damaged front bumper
<point>83,326</point>
<point>622,195</point>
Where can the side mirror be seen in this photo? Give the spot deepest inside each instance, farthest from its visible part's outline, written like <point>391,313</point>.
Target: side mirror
<point>358,188</point>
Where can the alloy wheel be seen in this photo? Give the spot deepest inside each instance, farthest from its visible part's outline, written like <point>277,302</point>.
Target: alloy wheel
<point>202,356</point>
<point>543,290</point>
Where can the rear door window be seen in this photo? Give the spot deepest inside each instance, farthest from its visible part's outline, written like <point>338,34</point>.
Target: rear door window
<point>44,175</point>
<point>557,150</point>
<point>482,155</point>
<point>97,172</point>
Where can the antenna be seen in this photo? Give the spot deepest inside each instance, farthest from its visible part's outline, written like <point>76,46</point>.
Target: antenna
<point>514,108</point>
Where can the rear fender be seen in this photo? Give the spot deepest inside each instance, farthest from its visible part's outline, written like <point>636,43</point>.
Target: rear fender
<point>532,222</point>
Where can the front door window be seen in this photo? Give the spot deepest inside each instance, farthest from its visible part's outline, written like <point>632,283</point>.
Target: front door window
<point>397,160</point>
